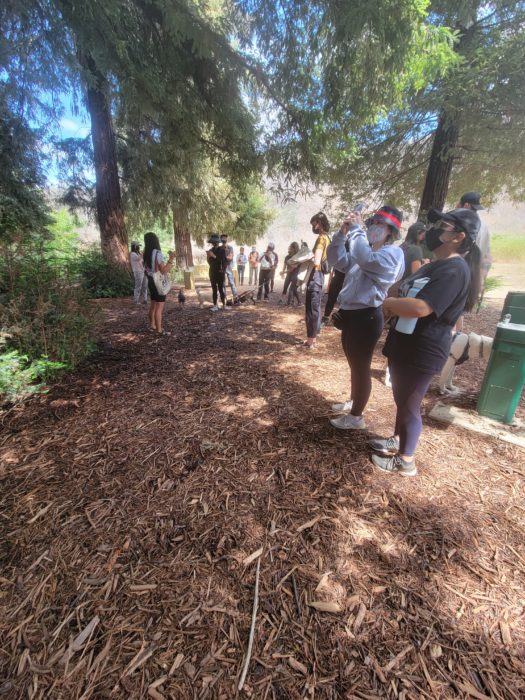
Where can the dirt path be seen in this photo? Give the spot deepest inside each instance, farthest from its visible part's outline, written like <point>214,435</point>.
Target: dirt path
<point>134,492</point>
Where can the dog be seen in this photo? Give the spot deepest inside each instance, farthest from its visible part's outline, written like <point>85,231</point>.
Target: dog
<point>465,346</point>
<point>204,294</point>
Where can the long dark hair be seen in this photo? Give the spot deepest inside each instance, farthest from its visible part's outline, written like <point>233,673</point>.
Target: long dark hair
<point>413,233</point>
<point>151,243</point>
<point>322,219</point>
<point>473,259</point>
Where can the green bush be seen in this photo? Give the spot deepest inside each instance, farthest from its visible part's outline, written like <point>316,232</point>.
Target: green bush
<point>44,313</point>
<point>100,279</point>
<point>18,375</point>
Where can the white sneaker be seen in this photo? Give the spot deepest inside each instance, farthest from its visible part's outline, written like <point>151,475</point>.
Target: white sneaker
<point>344,407</point>
<point>348,422</point>
<point>214,308</point>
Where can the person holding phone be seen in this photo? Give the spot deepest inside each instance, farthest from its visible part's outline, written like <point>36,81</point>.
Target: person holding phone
<point>371,265</point>
<point>427,306</point>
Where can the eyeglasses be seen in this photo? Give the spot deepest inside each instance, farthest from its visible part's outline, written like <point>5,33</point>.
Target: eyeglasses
<point>445,226</point>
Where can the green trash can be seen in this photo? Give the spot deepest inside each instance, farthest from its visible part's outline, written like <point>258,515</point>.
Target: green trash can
<point>515,306</point>
<point>505,373</point>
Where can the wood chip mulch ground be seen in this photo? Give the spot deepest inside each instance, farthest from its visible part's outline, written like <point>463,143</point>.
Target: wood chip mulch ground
<point>148,495</point>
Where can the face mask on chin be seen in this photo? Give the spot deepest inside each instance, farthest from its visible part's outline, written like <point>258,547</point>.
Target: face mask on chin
<point>376,233</point>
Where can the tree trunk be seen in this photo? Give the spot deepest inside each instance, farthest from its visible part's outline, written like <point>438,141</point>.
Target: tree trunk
<point>441,159</point>
<point>183,251</point>
<point>110,215</point>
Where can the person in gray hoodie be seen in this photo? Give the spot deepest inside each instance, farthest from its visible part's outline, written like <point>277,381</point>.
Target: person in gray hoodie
<point>372,264</point>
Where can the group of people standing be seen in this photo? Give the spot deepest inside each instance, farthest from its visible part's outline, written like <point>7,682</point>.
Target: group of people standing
<point>375,281</point>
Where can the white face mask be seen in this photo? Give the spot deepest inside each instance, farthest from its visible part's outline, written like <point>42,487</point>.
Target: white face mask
<point>376,233</point>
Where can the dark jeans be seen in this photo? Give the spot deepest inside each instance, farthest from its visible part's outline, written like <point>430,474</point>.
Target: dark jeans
<point>314,291</point>
<point>217,285</point>
<point>287,281</point>
<point>264,281</point>
<point>272,278</point>
<point>240,271</point>
<point>361,331</point>
<point>409,386</point>
<point>336,284</point>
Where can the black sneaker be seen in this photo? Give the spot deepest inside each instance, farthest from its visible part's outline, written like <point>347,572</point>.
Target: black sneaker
<point>385,446</point>
<point>324,321</point>
<point>395,465</point>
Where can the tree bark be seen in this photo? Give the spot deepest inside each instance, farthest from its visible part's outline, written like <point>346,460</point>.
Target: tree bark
<point>110,214</point>
<point>183,251</point>
<point>441,160</point>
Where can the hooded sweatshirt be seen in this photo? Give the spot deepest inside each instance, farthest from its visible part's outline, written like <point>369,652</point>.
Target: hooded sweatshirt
<point>368,274</point>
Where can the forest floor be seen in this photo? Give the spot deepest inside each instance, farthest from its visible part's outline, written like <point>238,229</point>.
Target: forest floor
<point>137,490</point>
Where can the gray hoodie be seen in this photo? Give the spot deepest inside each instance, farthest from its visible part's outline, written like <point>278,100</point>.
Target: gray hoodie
<point>368,274</point>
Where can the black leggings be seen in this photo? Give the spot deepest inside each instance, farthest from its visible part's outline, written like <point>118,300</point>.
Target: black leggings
<point>336,284</point>
<point>217,285</point>
<point>409,386</point>
<point>361,331</point>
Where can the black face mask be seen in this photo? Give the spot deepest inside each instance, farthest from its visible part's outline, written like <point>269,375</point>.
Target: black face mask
<point>432,238</point>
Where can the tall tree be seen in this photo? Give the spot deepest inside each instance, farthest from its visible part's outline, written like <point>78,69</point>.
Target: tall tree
<point>464,131</point>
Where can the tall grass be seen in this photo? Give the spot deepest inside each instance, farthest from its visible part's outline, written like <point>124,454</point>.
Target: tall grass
<point>507,248</point>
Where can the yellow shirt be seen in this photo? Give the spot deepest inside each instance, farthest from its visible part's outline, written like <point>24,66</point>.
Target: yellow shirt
<point>322,242</point>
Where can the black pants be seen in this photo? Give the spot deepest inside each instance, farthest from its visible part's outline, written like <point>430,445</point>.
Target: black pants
<point>217,285</point>
<point>314,291</point>
<point>336,284</point>
<point>287,281</point>
<point>265,276</point>
<point>362,329</point>
<point>409,386</point>
<point>272,278</point>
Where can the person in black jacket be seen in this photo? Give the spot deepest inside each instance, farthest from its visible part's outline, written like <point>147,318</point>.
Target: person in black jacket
<point>427,305</point>
<point>217,261</point>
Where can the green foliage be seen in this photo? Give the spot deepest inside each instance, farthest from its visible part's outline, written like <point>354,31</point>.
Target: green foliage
<point>483,92</point>
<point>63,241</point>
<point>23,212</point>
<point>253,216</point>
<point>507,248</point>
<point>44,314</point>
<point>98,278</point>
<point>18,375</point>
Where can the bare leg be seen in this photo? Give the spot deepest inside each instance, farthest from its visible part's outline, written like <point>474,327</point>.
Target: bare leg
<point>151,314</point>
<point>159,310</point>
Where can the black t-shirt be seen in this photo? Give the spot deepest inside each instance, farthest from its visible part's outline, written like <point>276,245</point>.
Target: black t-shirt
<point>446,291</point>
<point>219,262</point>
<point>412,253</point>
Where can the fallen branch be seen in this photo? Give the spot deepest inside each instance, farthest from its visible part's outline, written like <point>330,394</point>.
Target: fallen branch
<point>252,629</point>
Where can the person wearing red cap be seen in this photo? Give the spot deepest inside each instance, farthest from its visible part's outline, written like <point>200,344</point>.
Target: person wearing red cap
<point>371,265</point>
<point>428,305</point>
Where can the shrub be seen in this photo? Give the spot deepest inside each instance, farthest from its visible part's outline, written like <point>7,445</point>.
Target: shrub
<point>44,314</point>
<point>18,375</point>
<point>100,279</point>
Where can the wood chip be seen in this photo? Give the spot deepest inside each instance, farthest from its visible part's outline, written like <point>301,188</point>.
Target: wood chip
<point>297,665</point>
<point>325,606</point>
<point>253,557</point>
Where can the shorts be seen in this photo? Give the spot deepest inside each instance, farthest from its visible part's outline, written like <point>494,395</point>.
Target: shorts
<point>153,293</point>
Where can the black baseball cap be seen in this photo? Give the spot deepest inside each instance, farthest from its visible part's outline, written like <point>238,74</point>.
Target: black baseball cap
<point>465,220</point>
<point>214,238</point>
<point>471,198</point>
<point>387,215</point>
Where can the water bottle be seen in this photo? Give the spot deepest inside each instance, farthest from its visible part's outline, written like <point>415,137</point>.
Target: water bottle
<point>404,324</point>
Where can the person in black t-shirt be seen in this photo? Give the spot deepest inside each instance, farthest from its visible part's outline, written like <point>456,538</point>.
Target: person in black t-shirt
<point>217,261</point>
<point>428,305</point>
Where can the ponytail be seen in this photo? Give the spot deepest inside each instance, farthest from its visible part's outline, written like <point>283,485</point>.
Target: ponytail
<point>473,259</point>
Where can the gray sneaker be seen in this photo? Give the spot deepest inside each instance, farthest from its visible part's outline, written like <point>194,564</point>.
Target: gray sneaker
<point>385,446</point>
<point>395,465</point>
<point>344,407</point>
<point>348,422</point>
